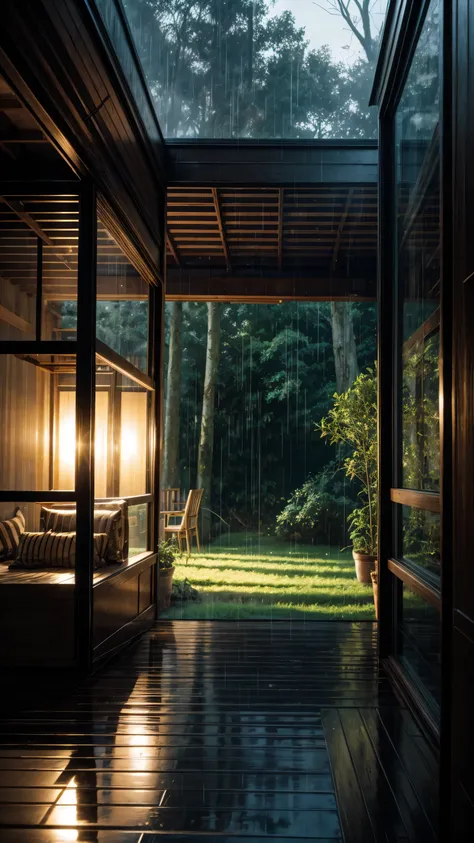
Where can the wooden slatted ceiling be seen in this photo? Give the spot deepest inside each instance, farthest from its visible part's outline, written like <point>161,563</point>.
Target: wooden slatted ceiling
<point>58,218</point>
<point>281,227</point>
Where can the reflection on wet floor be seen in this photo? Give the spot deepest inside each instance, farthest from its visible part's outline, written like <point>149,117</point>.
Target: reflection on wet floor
<point>206,729</point>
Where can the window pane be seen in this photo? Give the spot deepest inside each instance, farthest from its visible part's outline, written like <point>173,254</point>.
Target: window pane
<point>245,69</point>
<point>122,302</point>
<point>138,528</point>
<point>420,642</point>
<point>37,419</point>
<point>418,178</point>
<point>421,532</point>
<point>121,434</point>
<point>18,307</point>
<point>420,419</point>
<point>24,253</point>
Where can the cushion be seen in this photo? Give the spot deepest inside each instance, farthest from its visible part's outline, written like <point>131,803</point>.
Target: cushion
<point>109,517</point>
<point>10,533</point>
<point>55,550</point>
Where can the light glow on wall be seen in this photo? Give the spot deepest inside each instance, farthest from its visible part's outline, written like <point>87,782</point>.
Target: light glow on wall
<point>132,448</point>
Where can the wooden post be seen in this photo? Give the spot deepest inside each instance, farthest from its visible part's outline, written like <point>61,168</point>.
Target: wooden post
<point>85,413</point>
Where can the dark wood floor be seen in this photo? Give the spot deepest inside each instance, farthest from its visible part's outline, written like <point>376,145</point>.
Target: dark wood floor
<point>219,730</point>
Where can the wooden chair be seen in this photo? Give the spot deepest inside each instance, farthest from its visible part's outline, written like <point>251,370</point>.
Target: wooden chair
<point>171,499</point>
<point>188,526</point>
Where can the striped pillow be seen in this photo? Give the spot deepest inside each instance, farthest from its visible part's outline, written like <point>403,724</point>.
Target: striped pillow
<point>110,521</point>
<point>10,532</point>
<point>55,550</point>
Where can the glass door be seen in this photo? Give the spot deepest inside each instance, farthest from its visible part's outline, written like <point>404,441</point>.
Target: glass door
<point>415,494</point>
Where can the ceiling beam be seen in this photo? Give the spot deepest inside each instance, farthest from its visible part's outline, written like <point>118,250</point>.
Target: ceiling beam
<point>220,224</point>
<point>172,248</point>
<point>281,200</point>
<point>108,289</point>
<point>18,208</point>
<point>8,102</point>
<point>15,137</point>
<point>183,287</point>
<point>271,163</point>
<point>342,223</point>
<point>15,321</point>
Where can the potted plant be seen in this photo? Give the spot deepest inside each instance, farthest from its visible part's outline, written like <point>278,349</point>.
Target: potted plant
<point>352,422</point>
<point>167,552</point>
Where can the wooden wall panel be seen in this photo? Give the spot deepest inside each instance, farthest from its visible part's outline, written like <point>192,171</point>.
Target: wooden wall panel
<point>24,406</point>
<point>24,422</point>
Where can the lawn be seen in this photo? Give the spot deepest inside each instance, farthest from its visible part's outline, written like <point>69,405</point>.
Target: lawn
<point>243,576</point>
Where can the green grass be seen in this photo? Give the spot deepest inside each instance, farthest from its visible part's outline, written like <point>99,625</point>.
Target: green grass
<point>249,576</point>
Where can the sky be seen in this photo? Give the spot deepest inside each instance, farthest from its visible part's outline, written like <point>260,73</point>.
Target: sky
<point>323,28</point>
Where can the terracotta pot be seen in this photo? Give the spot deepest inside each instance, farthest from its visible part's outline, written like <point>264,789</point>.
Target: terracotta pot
<point>375,586</point>
<point>364,564</point>
<point>165,587</point>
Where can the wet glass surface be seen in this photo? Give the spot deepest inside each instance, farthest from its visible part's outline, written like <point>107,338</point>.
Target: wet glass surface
<point>421,541</point>
<point>417,198</point>
<point>261,70</point>
<point>420,643</point>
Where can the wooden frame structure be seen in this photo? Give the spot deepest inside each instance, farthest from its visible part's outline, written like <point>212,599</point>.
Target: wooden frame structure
<point>452,596</point>
<point>306,231</point>
<point>89,229</point>
<point>248,221</point>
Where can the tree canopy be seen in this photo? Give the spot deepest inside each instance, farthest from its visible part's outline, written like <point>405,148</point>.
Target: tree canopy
<point>235,68</point>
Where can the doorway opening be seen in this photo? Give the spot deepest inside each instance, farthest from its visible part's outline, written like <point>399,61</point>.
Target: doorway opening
<point>250,419</point>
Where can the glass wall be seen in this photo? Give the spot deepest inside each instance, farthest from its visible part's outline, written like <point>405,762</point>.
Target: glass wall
<point>245,69</point>
<point>46,539</point>
<point>122,302</point>
<point>124,395</point>
<point>38,258</point>
<point>417,402</point>
<point>419,641</point>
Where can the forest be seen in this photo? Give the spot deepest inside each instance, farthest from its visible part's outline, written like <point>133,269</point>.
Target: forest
<point>246,69</point>
<point>246,387</point>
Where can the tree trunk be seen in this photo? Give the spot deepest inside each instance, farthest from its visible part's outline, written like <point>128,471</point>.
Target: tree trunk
<point>206,442</point>
<point>173,397</point>
<point>343,341</point>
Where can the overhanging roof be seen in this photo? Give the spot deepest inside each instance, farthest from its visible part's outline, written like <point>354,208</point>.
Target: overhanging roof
<point>304,241</point>
<point>269,163</point>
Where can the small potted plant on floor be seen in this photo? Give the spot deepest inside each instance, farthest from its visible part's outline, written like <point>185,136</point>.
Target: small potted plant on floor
<point>167,552</point>
<point>352,423</point>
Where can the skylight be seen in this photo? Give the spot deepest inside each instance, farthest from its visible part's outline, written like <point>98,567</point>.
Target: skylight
<point>259,69</point>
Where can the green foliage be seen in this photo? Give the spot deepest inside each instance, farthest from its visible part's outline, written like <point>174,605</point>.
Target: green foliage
<point>122,325</point>
<point>236,68</point>
<point>420,440</point>
<point>276,377</point>
<point>352,424</point>
<point>183,591</point>
<point>167,553</point>
<point>316,510</point>
<point>422,538</point>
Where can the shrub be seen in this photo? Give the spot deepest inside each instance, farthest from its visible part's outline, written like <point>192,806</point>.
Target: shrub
<point>352,424</point>
<point>316,511</point>
<point>184,591</point>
